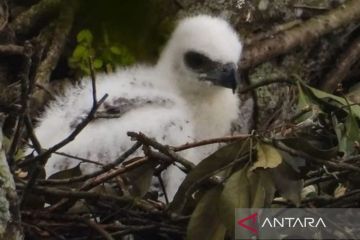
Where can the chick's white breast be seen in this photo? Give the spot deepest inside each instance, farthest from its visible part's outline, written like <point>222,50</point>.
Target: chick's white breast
<point>140,106</point>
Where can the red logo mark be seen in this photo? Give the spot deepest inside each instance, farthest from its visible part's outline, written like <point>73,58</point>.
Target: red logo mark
<point>253,218</point>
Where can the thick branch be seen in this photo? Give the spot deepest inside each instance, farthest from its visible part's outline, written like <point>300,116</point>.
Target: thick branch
<point>342,68</point>
<point>64,24</point>
<point>300,35</point>
<point>10,215</point>
<point>163,149</point>
<point>11,49</point>
<point>25,21</point>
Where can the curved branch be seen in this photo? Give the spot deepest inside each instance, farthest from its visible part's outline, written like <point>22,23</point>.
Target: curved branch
<point>302,34</point>
<point>26,20</point>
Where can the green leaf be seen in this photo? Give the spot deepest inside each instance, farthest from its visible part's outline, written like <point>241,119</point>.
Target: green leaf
<point>311,146</point>
<point>354,94</point>
<point>327,99</point>
<point>347,134</point>
<point>80,52</point>
<point>140,178</point>
<point>67,173</point>
<point>245,189</point>
<point>304,106</point>
<point>84,36</point>
<point>287,182</point>
<point>304,101</point>
<point>205,169</point>
<point>64,174</point>
<point>267,157</point>
<point>205,222</point>
<point>262,188</point>
<point>98,63</point>
<point>116,50</point>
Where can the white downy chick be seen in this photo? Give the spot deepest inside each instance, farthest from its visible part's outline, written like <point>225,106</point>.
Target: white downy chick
<point>187,96</point>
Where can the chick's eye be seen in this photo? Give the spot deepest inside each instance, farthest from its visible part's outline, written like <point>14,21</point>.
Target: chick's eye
<point>196,60</point>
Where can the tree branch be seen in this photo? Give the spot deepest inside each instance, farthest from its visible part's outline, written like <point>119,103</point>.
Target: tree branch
<point>43,72</point>
<point>161,148</point>
<point>26,20</point>
<point>11,49</point>
<point>300,35</point>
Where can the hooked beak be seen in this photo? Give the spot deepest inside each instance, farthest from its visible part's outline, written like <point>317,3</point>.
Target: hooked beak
<point>224,75</point>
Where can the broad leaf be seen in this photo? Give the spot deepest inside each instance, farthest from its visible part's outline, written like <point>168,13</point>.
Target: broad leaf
<point>324,98</point>
<point>267,157</point>
<point>64,174</point>
<point>287,182</point>
<point>311,146</point>
<point>245,189</point>
<point>140,178</point>
<point>205,222</point>
<point>67,173</point>
<point>84,36</point>
<point>205,169</point>
<point>347,132</point>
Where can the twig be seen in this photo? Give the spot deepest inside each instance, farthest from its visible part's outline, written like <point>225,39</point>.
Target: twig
<point>300,35</point>
<point>45,89</point>
<point>67,140</point>
<point>324,178</point>
<point>354,158</point>
<point>79,158</point>
<point>163,149</point>
<point>93,82</point>
<point>42,158</point>
<point>85,177</point>
<point>311,7</point>
<point>163,188</point>
<point>65,203</point>
<point>42,228</point>
<point>71,218</point>
<point>179,4</point>
<point>135,147</point>
<point>210,141</point>
<point>139,222</point>
<point>69,155</point>
<point>24,79</point>
<point>349,198</point>
<point>32,136</point>
<point>99,229</point>
<point>94,196</point>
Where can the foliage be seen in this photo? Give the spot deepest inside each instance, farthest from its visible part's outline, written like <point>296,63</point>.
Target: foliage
<point>276,167</point>
<point>106,56</point>
<point>296,165</point>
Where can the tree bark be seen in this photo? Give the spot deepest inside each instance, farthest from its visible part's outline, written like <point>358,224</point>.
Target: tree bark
<point>10,222</point>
